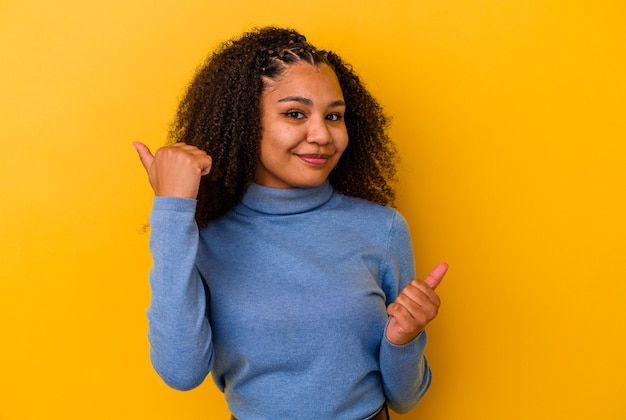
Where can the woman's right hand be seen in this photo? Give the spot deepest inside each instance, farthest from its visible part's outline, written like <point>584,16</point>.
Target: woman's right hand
<point>175,170</point>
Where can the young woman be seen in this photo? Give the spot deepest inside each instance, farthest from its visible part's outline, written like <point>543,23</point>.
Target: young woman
<point>279,266</point>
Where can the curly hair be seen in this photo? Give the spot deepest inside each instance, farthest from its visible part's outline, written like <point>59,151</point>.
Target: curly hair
<point>220,114</point>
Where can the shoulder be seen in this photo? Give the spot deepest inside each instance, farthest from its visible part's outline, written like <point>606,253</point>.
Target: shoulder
<point>369,213</point>
<point>368,207</point>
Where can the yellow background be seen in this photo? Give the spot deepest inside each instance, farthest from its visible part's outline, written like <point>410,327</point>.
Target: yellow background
<point>511,120</point>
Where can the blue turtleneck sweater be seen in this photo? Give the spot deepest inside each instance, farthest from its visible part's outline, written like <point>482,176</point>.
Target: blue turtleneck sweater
<point>284,301</point>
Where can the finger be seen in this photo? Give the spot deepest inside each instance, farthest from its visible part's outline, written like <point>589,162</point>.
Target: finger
<point>419,299</point>
<point>420,293</point>
<point>401,316</point>
<point>203,160</point>
<point>145,155</point>
<point>403,325</point>
<point>205,165</point>
<point>435,276</point>
<point>393,308</point>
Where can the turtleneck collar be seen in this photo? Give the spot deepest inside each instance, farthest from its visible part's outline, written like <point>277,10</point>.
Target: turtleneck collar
<point>276,201</point>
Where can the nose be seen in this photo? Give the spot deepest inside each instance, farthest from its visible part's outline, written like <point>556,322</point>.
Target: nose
<point>319,131</point>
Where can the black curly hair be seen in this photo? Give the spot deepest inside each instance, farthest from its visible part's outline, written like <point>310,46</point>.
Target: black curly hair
<point>220,114</point>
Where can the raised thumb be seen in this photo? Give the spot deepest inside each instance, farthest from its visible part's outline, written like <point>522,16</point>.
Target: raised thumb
<point>145,155</point>
<point>435,276</point>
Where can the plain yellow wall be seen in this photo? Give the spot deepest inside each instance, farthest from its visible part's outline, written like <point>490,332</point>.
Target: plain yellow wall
<point>511,120</point>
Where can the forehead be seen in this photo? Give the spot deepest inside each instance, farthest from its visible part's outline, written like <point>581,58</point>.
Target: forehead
<point>304,78</point>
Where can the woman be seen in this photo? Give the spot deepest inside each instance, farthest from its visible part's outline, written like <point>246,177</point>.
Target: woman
<point>278,266</point>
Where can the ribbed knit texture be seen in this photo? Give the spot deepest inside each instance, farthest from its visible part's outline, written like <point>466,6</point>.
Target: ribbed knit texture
<point>284,301</point>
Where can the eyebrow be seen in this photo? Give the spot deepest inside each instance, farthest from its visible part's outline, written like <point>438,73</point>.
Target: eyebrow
<point>306,101</point>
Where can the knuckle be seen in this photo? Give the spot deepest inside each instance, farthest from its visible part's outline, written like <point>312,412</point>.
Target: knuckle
<point>401,299</point>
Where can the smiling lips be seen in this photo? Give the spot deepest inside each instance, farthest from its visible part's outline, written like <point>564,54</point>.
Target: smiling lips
<point>315,159</point>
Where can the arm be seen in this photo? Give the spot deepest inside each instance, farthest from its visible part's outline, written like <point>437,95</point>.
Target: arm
<point>405,371</point>
<point>179,331</point>
<point>181,348</point>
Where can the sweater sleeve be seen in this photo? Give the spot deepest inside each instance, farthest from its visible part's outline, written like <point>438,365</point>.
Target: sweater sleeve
<point>179,332</point>
<point>405,372</point>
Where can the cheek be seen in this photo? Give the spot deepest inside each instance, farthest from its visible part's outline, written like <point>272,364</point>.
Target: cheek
<point>341,141</point>
<point>274,150</point>
<point>280,139</point>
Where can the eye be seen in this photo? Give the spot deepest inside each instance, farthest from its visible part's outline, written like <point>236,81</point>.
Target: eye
<point>334,117</point>
<point>294,114</point>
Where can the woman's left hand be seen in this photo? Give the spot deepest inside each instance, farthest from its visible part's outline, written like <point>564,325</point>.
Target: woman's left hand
<point>416,305</point>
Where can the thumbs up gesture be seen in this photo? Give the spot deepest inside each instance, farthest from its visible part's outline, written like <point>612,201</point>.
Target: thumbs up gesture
<point>175,170</point>
<point>416,305</point>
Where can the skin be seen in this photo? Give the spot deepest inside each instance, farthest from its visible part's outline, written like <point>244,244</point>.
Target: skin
<point>415,306</point>
<point>175,170</point>
<point>304,133</point>
<point>303,137</point>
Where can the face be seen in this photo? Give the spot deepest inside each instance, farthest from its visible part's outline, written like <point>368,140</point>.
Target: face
<point>303,130</point>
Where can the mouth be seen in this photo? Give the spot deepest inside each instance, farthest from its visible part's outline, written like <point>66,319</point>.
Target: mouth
<point>315,159</point>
